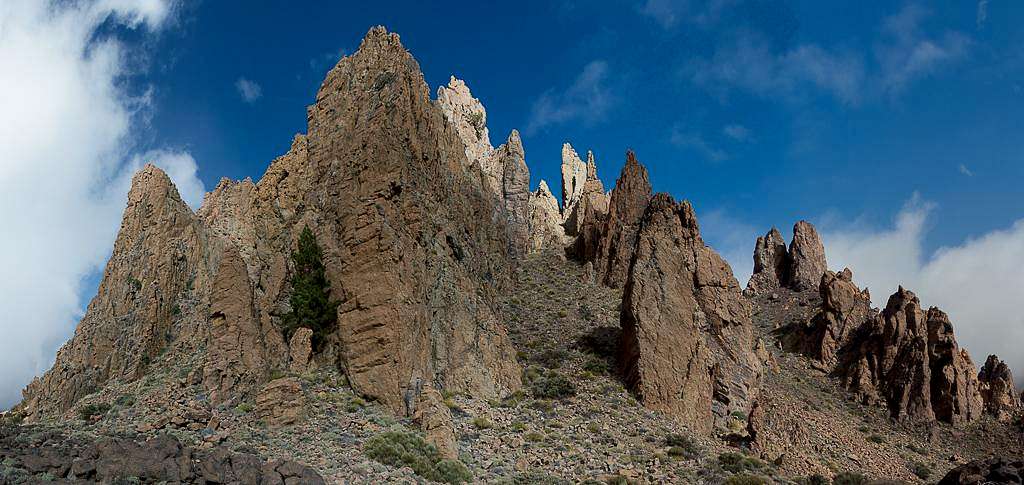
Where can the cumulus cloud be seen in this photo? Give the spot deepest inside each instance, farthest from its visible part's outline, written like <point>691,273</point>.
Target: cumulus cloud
<point>248,90</point>
<point>977,282</point>
<point>587,100</point>
<point>68,129</point>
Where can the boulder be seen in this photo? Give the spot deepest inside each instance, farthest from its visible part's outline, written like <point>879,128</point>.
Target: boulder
<point>687,347</point>
<point>997,389</point>
<point>990,471</point>
<point>300,350</point>
<point>281,402</point>
<point>435,419</point>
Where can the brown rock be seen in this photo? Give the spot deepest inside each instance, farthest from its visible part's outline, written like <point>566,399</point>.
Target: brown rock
<point>771,263</point>
<point>687,343</point>
<point>997,390</point>
<point>300,349</point>
<point>435,419</point>
<point>584,202</point>
<point>515,193</point>
<point>408,253</point>
<point>844,309</point>
<point>469,118</point>
<point>545,221</point>
<point>157,260</point>
<point>807,257</point>
<point>626,207</point>
<point>281,402</point>
<point>909,360</point>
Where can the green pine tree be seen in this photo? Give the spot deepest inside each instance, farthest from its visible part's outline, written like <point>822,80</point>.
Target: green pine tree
<point>311,302</point>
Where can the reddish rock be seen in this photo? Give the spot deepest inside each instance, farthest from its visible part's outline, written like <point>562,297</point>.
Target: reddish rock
<point>844,309</point>
<point>798,268</point>
<point>626,207</point>
<point>997,389</point>
<point>771,263</point>
<point>687,347</point>
<point>807,257</point>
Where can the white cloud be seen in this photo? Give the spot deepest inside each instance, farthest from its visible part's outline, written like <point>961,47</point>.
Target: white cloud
<point>67,128</point>
<point>587,100</point>
<point>733,239</point>
<point>737,132</point>
<point>248,90</point>
<point>696,142</point>
<point>977,282</point>
<point>905,53</point>
<point>669,13</point>
<point>982,15</point>
<point>747,63</point>
<point>966,171</point>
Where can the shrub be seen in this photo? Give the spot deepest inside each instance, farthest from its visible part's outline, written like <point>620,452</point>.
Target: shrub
<point>243,408</point>
<point>876,438</point>
<point>746,479</point>
<point>681,446</point>
<point>402,448</point>
<point>733,462</point>
<point>596,365</point>
<point>88,411</point>
<point>551,358</point>
<point>481,422</point>
<point>552,385</point>
<point>533,437</point>
<point>125,400</point>
<point>532,478</point>
<point>814,480</point>
<point>849,478</point>
<point>921,470</point>
<point>311,302</point>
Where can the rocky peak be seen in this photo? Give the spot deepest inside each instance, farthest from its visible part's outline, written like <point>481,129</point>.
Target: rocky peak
<point>469,118</point>
<point>574,175</point>
<point>908,359</point>
<point>799,268</point>
<point>844,309</point>
<point>515,184</point>
<point>627,203</point>
<point>687,346</point>
<point>997,389</point>
<point>545,220</point>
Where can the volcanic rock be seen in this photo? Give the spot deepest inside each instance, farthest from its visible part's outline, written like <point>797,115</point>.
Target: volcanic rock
<point>990,471</point>
<point>798,268</point>
<point>281,402</point>
<point>300,350</point>
<point>844,309</point>
<point>771,263</point>
<point>909,360</point>
<point>627,203</point>
<point>545,220</point>
<point>435,419</point>
<point>469,118</point>
<point>515,193</point>
<point>687,346</point>
<point>997,389</point>
<point>157,262</point>
<point>807,257</point>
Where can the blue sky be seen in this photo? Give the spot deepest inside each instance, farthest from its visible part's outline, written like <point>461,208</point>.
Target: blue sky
<point>893,126</point>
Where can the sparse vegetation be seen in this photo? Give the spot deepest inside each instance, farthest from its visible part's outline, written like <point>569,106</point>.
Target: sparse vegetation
<point>311,303</point>
<point>921,470</point>
<point>552,385</point>
<point>481,422</point>
<point>402,448</point>
<point>90,411</point>
<point>849,478</point>
<point>733,462</point>
<point>747,479</point>
<point>876,438</point>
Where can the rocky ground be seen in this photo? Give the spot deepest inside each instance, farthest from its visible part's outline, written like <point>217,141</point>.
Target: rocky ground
<point>573,422</point>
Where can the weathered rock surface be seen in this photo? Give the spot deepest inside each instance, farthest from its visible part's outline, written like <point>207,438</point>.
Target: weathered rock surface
<point>155,271</point>
<point>807,257</point>
<point>994,471</point>
<point>687,347</point>
<point>281,402</point>
<point>626,207</point>
<point>408,254</point>
<point>997,389</point>
<point>844,309</point>
<point>300,350</point>
<point>584,203</point>
<point>158,460</point>
<point>908,359</point>
<point>469,118</point>
<point>545,220</point>
<point>798,268</point>
<point>435,419</point>
<point>515,186</point>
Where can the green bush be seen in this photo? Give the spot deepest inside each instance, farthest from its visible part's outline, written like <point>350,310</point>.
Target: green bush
<point>125,400</point>
<point>401,448</point>
<point>733,462</point>
<point>311,302</point>
<point>814,480</point>
<point>481,422</point>
<point>876,438</point>
<point>849,478</point>
<point>532,478</point>
<point>921,470</point>
<point>746,479</point>
<point>552,385</point>
<point>88,411</point>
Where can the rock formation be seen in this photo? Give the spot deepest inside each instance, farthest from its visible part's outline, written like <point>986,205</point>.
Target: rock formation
<point>545,220</point>
<point>908,359</point>
<point>997,389</point>
<point>844,309</point>
<point>281,402</point>
<point>584,202</point>
<point>798,268</point>
<point>469,118</point>
<point>515,186</point>
<point>149,285</point>
<point>687,346</point>
<point>626,207</point>
<point>994,470</point>
<point>408,252</point>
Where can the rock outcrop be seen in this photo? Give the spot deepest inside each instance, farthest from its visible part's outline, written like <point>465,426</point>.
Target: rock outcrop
<point>469,118</point>
<point>584,203</point>
<point>149,288</point>
<point>990,471</point>
<point>844,309</point>
<point>908,359</point>
<point>997,389</point>
<point>407,252</point>
<point>515,187</point>
<point>798,268</point>
<point>626,207</point>
<point>281,402</point>
<point>162,459</point>
<point>687,346</point>
<point>545,221</point>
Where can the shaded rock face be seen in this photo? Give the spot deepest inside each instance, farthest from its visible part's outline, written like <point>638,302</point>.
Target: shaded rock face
<point>908,359</point>
<point>407,252</point>
<point>994,471</point>
<point>997,390</point>
<point>626,207</point>
<point>545,220</point>
<point>151,283</point>
<point>687,346</point>
<point>515,193</point>
<point>844,309</point>
<point>162,459</point>
<point>798,268</point>
<point>584,203</point>
<point>300,350</point>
